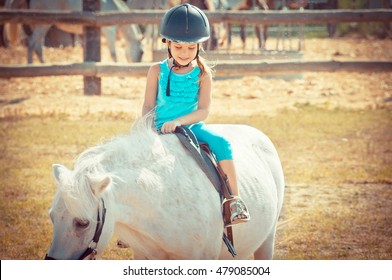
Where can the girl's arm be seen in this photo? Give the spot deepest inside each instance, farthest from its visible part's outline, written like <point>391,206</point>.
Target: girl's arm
<point>203,108</point>
<point>151,89</point>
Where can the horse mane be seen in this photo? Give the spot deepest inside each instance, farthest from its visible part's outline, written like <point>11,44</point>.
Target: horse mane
<point>141,144</point>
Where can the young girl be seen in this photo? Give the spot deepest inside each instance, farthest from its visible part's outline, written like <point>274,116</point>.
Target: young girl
<point>179,89</point>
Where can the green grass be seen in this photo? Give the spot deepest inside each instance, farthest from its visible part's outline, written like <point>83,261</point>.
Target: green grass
<point>337,165</point>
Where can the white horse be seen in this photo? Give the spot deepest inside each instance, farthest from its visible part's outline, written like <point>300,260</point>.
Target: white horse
<point>148,190</point>
<point>130,32</point>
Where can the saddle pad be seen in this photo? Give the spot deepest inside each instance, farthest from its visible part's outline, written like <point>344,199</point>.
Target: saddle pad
<point>199,153</point>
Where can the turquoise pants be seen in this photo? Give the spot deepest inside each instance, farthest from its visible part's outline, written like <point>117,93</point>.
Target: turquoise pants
<point>218,144</point>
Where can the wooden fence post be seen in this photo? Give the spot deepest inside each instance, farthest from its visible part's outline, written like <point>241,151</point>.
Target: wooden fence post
<point>92,49</point>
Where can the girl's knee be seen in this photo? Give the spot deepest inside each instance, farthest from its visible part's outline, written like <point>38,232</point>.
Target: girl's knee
<point>221,147</point>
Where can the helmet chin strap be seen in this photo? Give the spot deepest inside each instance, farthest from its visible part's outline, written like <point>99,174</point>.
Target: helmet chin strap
<point>176,65</point>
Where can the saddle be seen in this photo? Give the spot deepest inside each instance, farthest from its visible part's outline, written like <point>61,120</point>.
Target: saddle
<point>203,155</point>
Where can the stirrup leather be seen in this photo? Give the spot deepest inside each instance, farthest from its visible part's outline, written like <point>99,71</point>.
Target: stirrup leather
<point>237,209</point>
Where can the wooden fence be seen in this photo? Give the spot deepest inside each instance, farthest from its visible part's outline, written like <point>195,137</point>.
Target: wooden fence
<point>223,68</point>
<point>154,17</point>
<point>99,19</point>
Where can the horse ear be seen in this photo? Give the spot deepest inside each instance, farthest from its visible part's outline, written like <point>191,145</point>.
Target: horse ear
<point>58,170</point>
<point>98,186</point>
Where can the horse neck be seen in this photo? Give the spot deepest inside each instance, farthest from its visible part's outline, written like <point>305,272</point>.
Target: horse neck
<point>139,190</point>
<point>138,204</point>
<point>131,33</point>
<point>137,172</point>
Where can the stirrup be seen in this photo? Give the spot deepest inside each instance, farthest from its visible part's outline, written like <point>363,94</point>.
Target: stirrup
<point>237,209</point>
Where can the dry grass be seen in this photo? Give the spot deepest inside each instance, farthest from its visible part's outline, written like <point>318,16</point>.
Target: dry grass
<point>336,222</point>
<point>337,164</point>
<point>332,131</point>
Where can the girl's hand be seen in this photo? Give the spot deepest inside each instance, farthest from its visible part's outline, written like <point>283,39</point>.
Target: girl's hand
<point>170,127</point>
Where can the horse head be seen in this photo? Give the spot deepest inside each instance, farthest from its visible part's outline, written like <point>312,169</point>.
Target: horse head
<point>133,41</point>
<point>81,228</point>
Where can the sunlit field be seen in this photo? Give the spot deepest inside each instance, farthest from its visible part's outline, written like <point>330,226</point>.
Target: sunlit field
<point>337,165</point>
<point>332,132</point>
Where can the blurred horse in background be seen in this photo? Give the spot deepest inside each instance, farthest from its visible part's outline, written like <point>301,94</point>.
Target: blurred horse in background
<point>211,6</point>
<point>10,31</point>
<point>286,31</point>
<point>35,43</point>
<point>243,5</point>
<point>261,31</point>
<point>151,31</point>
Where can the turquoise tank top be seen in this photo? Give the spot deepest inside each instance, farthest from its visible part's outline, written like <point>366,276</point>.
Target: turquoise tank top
<point>184,94</point>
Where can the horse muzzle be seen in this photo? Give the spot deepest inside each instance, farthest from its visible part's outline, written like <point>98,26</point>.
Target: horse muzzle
<point>91,252</point>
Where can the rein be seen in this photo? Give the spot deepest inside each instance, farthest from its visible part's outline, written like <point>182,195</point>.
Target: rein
<point>91,250</point>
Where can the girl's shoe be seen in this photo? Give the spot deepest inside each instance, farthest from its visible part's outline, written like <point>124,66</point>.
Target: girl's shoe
<point>238,211</point>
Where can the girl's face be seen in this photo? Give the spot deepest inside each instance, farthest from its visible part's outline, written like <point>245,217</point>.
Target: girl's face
<point>183,53</point>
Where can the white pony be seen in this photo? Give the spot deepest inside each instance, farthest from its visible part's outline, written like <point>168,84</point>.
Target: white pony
<point>149,190</point>
<point>130,32</point>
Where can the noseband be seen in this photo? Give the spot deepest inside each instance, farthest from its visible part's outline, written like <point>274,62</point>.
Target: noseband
<point>91,250</point>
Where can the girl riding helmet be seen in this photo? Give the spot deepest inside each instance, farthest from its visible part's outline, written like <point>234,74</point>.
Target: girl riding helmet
<point>184,24</point>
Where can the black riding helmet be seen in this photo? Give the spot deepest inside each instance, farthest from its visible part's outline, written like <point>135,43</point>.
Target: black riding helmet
<point>184,24</point>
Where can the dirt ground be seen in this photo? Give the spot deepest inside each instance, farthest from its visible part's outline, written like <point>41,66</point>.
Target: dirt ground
<point>64,95</point>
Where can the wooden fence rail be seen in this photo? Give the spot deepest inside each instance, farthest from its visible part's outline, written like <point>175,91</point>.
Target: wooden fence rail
<point>154,16</point>
<point>224,68</point>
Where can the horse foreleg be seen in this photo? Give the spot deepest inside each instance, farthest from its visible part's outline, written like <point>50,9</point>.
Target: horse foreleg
<point>265,33</point>
<point>261,37</point>
<point>110,35</point>
<point>243,35</point>
<point>133,41</point>
<point>214,38</point>
<point>229,34</point>
<point>301,40</point>
<point>13,33</point>
<point>301,34</point>
<point>36,43</point>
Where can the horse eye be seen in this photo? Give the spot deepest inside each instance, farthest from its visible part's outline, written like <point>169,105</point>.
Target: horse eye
<point>81,222</point>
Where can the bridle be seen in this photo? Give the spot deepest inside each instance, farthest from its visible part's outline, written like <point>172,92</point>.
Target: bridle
<point>91,251</point>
